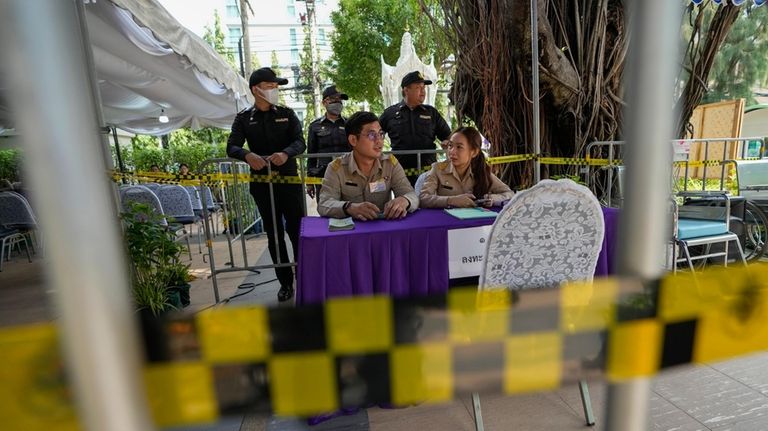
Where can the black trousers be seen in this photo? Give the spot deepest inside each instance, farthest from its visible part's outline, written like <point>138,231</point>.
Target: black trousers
<point>288,206</point>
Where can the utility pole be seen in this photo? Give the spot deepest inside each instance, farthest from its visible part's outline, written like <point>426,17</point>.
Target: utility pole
<point>245,6</point>
<point>312,22</point>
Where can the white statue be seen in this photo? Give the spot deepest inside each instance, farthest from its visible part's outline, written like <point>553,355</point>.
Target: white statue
<point>391,76</point>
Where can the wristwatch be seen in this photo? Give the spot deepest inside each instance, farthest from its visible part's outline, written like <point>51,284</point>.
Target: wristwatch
<point>345,207</point>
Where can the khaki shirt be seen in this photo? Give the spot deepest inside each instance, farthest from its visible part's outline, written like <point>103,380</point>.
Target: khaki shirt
<point>443,182</point>
<point>343,183</point>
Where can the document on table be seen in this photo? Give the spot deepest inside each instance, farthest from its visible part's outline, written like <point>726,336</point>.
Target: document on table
<point>471,213</point>
<point>335,224</point>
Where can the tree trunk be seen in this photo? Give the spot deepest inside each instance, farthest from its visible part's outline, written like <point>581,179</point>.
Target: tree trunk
<point>702,58</point>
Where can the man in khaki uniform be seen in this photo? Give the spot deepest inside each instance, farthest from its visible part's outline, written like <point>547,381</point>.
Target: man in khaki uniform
<point>360,184</point>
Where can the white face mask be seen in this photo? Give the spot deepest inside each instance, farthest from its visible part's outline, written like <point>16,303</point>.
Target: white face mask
<point>270,95</point>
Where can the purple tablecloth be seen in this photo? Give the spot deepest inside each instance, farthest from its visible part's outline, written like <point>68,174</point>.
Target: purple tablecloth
<point>402,258</point>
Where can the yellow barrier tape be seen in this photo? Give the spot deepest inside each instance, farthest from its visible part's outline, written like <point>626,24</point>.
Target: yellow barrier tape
<point>303,383</point>
<point>34,395</point>
<point>358,325</point>
<point>181,393</point>
<point>532,362</point>
<point>422,373</point>
<point>722,313</point>
<point>221,344</point>
<point>634,350</point>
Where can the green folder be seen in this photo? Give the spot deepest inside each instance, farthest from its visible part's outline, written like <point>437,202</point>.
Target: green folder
<point>471,213</point>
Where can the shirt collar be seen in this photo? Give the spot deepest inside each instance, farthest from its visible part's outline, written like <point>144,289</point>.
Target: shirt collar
<point>326,119</point>
<point>451,170</point>
<point>353,166</point>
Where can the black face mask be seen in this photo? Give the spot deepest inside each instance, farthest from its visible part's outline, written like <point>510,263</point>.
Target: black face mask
<point>334,108</point>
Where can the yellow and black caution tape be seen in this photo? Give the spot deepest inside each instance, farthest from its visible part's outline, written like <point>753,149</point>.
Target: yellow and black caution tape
<point>358,350</point>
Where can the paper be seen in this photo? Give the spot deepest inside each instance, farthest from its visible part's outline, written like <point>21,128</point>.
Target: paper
<point>471,213</point>
<point>378,186</point>
<point>335,224</point>
<point>466,249</point>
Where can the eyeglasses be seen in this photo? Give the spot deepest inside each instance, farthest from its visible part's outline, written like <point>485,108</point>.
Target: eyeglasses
<point>373,134</point>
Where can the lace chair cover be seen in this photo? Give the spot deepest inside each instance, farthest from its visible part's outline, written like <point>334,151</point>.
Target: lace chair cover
<point>548,234</point>
<point>15,211</point>
<point>142,195</point>
<point>175,201</point>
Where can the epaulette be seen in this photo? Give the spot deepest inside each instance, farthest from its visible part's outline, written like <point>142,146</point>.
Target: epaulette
<point>245,110</point>
<point>336,164</point>
<point>442,165</point>
<point>393,159</point>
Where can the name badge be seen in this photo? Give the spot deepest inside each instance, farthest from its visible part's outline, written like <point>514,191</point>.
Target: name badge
<point>280,120</point>
<point>378,186</point>
<point>425,117</point>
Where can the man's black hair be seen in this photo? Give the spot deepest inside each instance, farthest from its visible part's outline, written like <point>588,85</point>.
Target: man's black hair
<point>358,120</point>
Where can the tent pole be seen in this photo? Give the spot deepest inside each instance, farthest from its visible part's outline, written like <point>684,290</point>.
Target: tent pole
<point>117,150</point>
<point>85,265</point>
<point>645,221</point>
<point>535,84</point>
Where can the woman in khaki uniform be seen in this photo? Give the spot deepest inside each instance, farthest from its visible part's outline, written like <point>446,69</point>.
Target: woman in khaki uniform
<point>464,180</point>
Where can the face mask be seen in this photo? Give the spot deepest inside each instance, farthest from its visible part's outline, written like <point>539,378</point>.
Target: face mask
<point>270,96</point>
<point>334,108</point>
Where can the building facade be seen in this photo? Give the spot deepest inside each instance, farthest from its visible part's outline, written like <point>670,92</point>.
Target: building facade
<point>278,27</point>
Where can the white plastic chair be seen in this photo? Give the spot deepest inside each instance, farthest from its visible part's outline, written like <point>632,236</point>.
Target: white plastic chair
<point>546,235</point>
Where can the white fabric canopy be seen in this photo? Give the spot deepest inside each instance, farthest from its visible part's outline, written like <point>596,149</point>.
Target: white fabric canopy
<point>147,62</point>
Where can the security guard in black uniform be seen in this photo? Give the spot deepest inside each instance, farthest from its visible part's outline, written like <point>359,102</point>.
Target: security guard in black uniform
<point>274,137</point>
<point>411,125</point>
<point>326,135</point>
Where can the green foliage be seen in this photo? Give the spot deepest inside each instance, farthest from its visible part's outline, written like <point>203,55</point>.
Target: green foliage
<point>742,62</point>
<point>276,68</point>
<point>215,37</point>
<point>10,165</point>
<point>185,146</point>
<point>368,29</point>
<point>695,184</point>
<point>155,258</point>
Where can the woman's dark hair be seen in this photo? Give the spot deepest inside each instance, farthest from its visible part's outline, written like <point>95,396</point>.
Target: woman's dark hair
<point>480,170</point>
<point>183,164</point>
<point>354,124</point>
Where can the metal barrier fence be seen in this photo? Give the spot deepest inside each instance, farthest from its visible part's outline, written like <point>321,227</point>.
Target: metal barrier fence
<point>614,168</point>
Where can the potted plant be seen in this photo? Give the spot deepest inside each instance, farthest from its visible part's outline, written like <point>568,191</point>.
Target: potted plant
<point>159,278</point>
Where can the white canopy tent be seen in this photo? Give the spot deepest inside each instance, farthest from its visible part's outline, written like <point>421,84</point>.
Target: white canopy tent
<point>147,65</point>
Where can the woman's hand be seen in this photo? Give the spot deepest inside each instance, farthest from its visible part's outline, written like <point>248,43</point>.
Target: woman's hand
<point>466,200</point>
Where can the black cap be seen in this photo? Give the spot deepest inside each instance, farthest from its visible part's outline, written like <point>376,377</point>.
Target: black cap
<point>265,74</point>
<point>413,78</point>
<point>331,91</point>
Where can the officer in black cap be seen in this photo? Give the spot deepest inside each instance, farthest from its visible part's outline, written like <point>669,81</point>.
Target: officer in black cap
<point>411,125</point>
<point>274,137</point>
<point>326,135</point>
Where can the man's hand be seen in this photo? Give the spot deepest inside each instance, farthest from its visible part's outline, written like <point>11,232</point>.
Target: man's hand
<point>278,159</point>
<point>462,201</point>
<point>363,211</point>
<point>396,208</point>
<point>255,161</point>
<point>311,190</point>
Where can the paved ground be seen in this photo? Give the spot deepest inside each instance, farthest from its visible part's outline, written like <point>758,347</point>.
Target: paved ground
<point>731,395</point>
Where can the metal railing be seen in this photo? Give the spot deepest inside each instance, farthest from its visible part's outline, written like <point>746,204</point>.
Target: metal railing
<point>615,152</point>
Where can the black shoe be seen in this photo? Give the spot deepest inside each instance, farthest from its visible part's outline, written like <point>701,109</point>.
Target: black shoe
<point>285,293</point>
